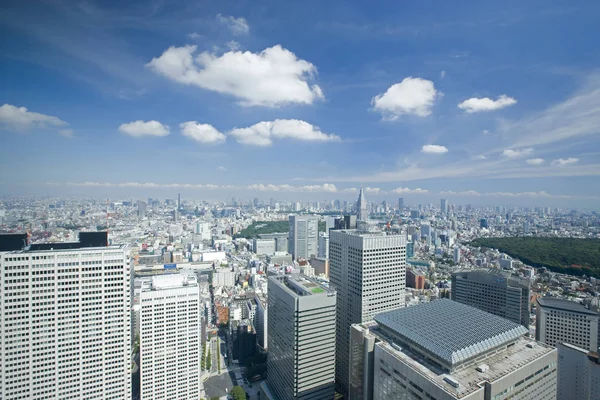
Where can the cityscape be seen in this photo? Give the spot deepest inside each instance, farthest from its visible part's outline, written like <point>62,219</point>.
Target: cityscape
<point>315,200</point>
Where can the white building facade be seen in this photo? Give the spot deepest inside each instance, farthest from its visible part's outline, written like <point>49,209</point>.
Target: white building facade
<point>578,373</point>
<point>66,324</point>
<point>368,270</point>
<point>170,338</point>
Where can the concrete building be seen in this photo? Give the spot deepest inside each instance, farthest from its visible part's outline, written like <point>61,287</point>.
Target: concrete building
<point>563,321</point>
<point>444,206</point>
<point>304,232</point>
<point>425,352</point>
<point>456,255</point>
<point>66,319</point>
<point>578,373</point>
<point>223,277</point>
<point>141,208</point>
<point>281,240</point>
<point>368,270</point>
<point>323,245</point>
<point>262,318</point>
<point>264,246</point>
<point>170,338</point>
<point>415,279</point>
<point>401,203</point>
<point>495,291</point>
<point>203,229</point>
<point>301,358</point>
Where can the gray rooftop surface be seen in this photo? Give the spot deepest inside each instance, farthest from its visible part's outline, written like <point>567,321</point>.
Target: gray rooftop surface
<point>452,331</point>
<point>562,304</point>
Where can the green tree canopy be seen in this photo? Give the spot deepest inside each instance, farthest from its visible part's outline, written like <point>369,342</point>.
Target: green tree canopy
<point>238,393</point>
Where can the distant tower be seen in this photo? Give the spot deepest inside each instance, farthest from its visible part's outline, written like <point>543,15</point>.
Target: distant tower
<point>444,206</point>
<point>179,201</point>
<point>361,206</point>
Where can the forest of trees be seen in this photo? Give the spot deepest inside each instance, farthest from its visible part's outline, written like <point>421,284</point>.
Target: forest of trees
<point>262,227</point>
<point>564,255</point>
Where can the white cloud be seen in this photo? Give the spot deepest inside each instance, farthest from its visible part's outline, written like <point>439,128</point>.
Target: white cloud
<point>480,157</point>
<point>442,74</point>
<point>143,128</point>
<point>514,153</point>
<point>20,119</point>
<point>271,78</point>
<point>201,133</point>
<point>194,36</point>
<point>374,190</point>
<point>474,193</point>
<point>237,26</point>
<point>475,104</point>
<point>565,161</point>
<point>411,96</point>
<point>434,149</point>
<point>263,133</point>
<point>485,132</point>
<point>350,190</point>
<point>326,187</point>
<point>233,45</point>
<point>221,168</point>
<point>404,190</point>
<point>464,193</point>
<point>535,161</point>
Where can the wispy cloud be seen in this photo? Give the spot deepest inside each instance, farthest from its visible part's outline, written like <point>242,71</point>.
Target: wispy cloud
<point>237,26</point>
<point>20,119</point>
<point>475,104</point>
<point>513,153</point>
<point>565,161</point>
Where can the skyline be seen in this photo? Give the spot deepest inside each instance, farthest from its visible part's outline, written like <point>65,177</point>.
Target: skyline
<point>478,103</point>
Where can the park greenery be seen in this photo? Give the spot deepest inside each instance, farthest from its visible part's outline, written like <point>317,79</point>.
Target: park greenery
<point>563,255</point>
<point>238,393</point>
<point>263,227</point>
<point>208,361</point>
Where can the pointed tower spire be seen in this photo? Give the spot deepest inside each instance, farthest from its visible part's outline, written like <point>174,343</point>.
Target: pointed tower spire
<point>361,206</point>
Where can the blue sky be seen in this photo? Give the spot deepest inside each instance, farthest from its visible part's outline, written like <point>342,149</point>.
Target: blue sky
<point>481,102</point>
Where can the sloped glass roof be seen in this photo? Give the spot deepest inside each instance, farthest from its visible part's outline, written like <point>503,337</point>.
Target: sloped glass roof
<point>452,331</point>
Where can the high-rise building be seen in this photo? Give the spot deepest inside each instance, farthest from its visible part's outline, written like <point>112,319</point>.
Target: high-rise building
<point>564,321</point>
<point>323,245</point>
<point>179,201</point>
<point>444,206</point>
<point>142,206</point>
<point>446,350</point>
<point>304,240</point>
<point>362,208</point>
<point>66,319</point>
<point>368,270</point>
<point>578,373</point>
<point>301,361</point>
<point>456,255</point>
<point>495,291</point>
<point>401,203</point>
<point>170,338</point>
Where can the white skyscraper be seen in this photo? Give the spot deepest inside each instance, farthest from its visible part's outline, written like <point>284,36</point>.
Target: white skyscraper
<point>304,232</point>
<point>368,270</point>
<point>170,338</point>
<point>444,206</point>
<point>66,321</point>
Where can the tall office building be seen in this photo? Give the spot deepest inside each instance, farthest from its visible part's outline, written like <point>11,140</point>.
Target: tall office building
<point>301,325</point>
<point>446,350</point>
<point>578,373</point>
<point>564,321</point>
<point>304,240</point>
<point>170,338</point>
<point>66,319</point>
<point>444,206</point>
<point>401,203</point>
<point>179,201</point>
<point>368,270</point>
<point>142,206</point>
<point>323,245</point>
<point>495,291</point>
<point>362,208</point>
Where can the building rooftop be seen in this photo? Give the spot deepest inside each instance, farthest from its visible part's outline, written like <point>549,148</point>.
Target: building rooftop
<point>495,271</point>
<point>566,305</point>
<point>302,285</point>
<point>470,379</point>
<point>172,281</point>
<point>440,328</point>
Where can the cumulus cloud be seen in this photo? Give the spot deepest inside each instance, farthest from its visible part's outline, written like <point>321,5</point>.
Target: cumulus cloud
<point>237,26</point>
<point>404,190</point>
<point>480,157</point>
<point>21,119</point>
<point>535,161</point>
<point>514,153</point>
<point>414,96</point>
<point>464,193</point>
<point>201,133</point>
<point>565,161</point>
<point>475,104</point>
<point>144,128</point>
<point>434,149</point>
<point>263,133</point>
<point>271,78</point>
